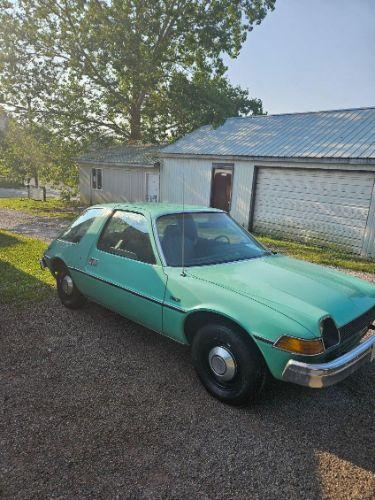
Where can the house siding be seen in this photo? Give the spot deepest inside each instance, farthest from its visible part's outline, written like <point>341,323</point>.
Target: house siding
<point>368,247</point>
<point>84,184</point>
<point>195,174</point>
<point>118,184</point>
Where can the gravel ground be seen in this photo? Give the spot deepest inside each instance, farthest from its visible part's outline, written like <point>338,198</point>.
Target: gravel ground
<point>44,228</point>
<point>94,406</point>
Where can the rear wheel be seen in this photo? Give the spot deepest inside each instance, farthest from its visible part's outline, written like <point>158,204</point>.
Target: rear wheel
<point>69,294</point>
<point>228,364</point>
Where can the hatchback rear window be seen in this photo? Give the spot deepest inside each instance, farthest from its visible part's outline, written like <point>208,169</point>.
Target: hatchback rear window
<point>80,226</point>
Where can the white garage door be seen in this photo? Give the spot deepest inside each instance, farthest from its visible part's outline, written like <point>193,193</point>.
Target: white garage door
<point>324,206</point>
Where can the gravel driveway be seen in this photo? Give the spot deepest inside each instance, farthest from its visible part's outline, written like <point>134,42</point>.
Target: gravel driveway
<point>44,228</point>
<point>94,406</point>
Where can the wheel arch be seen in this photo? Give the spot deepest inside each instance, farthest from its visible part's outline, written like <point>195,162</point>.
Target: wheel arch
<point>56,265</point>
<point>197,319</point>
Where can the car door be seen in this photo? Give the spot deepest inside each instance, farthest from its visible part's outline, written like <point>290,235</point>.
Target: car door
<point>124,272</point>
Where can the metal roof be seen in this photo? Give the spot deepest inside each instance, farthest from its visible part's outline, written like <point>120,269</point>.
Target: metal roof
<point>336,135</point>
<point>123,155</point>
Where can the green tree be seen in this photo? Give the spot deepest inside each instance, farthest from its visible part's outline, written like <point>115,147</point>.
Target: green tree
<point>124,68</point>
<point>31,152</point>
<point>191,102</point>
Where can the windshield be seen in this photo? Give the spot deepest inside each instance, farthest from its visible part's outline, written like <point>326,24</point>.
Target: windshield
<point>210,238</point>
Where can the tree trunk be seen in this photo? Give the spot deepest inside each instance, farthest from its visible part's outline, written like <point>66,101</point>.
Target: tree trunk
<point>135,123</point>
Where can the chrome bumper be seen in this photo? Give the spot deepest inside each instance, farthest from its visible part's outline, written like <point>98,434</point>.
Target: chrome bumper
<point>325,374</point>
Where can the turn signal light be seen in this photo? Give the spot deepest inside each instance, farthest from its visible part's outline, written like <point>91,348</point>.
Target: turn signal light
<point>300,346</point>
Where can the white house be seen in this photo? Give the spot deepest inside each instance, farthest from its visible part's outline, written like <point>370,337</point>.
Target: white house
<point>304,175</point>
<point>128,172</point>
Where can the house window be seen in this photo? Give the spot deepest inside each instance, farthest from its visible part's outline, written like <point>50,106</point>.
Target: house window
<point>96,178</point>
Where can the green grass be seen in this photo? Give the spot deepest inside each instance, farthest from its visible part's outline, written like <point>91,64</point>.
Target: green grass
<point>329,256</point>
<point>21,278</point>
<point>49,208</point>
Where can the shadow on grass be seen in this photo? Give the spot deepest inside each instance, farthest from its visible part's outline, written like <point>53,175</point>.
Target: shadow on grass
<point>7,240</point>
<point>17,286</point>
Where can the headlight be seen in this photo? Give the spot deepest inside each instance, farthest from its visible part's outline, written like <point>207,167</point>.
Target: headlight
<point>329,331</point>
<point>300,346</point>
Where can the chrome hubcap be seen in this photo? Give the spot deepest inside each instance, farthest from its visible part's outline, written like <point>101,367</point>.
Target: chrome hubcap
<point>222,363</point>
<point>67,285</point>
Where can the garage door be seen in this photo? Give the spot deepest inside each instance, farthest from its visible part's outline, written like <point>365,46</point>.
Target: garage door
<point>322,206</point>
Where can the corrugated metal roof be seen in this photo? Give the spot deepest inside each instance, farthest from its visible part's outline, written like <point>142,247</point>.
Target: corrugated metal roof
<point>123,155</point>
<point>338,134</point>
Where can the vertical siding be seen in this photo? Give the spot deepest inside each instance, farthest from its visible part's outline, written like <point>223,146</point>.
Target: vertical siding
<point>197,175</point>
<point>84,184</point>
<point>241,194</point>
<point>368,247</point>
<point>122,185</point>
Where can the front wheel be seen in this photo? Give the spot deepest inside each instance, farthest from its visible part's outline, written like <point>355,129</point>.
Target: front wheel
<point>228,364</point>
<point>68,292</point>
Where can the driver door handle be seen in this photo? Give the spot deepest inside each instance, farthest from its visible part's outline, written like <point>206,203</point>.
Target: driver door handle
<point>93,261</point>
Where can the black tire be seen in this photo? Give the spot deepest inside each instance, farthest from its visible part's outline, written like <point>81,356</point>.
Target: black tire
<point>74,299</point>
<point>249,372</point>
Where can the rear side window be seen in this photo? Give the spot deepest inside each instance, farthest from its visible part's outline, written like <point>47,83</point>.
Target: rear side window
<point>80,226</point>
<point>126,234</point>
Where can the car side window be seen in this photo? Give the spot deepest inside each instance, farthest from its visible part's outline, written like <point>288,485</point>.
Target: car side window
<point>77,230</point>
<point>126,234</point>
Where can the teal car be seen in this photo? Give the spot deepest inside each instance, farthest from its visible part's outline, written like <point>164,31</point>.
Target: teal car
<point>199,278</point>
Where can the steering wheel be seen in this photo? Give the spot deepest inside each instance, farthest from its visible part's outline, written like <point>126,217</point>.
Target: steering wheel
<point>222,237</point>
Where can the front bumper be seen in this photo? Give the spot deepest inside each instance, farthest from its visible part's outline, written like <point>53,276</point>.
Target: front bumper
<point>325,374</point>
<point>43,263</point>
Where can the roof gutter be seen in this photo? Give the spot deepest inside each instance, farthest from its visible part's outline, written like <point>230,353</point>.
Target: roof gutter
<point>97,163</point>
<point>292,159</point>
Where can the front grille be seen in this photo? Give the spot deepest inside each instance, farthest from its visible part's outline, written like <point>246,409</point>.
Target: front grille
<point>357,325</point>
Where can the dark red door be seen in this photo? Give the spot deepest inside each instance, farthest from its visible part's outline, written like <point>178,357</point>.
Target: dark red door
<point>221,192</point>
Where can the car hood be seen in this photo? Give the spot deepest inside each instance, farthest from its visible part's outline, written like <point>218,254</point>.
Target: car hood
<point>300,290</point>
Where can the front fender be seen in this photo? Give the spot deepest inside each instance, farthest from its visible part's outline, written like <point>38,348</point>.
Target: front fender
<point>258,320</point>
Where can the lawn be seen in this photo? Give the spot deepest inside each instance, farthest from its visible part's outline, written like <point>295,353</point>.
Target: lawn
<point>49,208</point>
<point>21,277</point>
<point>328,256</point>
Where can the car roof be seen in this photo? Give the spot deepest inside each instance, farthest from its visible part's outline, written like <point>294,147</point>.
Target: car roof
<point>156,209</point>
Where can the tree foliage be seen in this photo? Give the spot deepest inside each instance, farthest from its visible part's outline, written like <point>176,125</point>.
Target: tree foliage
<point>31,152</point>
<point>129,69</point>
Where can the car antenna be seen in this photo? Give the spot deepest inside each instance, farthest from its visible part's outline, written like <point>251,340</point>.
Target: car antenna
<point>183,225</point>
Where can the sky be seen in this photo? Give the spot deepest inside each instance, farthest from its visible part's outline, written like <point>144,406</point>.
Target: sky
<point>310,55</point>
